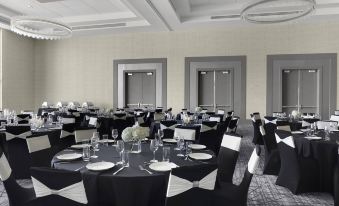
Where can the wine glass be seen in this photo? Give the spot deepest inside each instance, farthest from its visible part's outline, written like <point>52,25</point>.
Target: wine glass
<point>115,135</point>
<point>178,143</point>
<point>181,145</point>
<point>94,144</point>
<point>161,133</point>
<point>154,147</point>
<point>120,149</point>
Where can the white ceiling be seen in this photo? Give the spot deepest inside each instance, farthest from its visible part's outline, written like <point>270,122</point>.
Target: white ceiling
<point>110,16</point>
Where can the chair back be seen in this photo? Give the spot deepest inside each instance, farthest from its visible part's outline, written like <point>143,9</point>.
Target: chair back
<point>68,120</point>
<point>192,185</point>
<point>331,125</point>
<point>186,133</point>
<point>40,151</point>
<point>270,126</point>
<point>233,125</point>
<point>168,127</point>
<point>83,135</point>
<point>93,122</point>
<point>23,118</point>
<point>208,135</point>
<point>67,136</point>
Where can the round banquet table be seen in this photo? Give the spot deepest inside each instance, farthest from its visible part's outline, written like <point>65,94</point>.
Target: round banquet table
<point>131,186</point>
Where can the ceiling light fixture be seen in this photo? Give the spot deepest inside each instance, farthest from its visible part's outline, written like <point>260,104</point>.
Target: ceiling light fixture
<point>38,28</point>
<point>277,11</point>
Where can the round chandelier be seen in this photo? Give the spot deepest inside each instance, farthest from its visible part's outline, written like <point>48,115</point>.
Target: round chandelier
<point>38,28</point>
<point>277,11</point>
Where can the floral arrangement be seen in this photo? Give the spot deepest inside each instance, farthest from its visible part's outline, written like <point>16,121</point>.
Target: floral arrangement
<point>186,119</point>
<point>134,133</point>
<point>295,114</point>
<point>198,109</point>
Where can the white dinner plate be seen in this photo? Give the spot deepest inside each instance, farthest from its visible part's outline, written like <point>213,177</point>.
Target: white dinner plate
<point>79,146</point>
<point>72,156</point>
<point>109,141</point>
<point>313,138</point>
<point>200,156</point>
<point>297,132</point>
<point>162,166</point>
<point>100,166</point>
<point>169,140</point>
<point>197,146</point>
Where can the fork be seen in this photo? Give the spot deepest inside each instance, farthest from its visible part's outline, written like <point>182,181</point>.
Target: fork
<point>142,168</point>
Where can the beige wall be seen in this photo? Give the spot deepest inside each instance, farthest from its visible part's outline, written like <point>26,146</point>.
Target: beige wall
<point>17,66</point>
<point>82,68</point>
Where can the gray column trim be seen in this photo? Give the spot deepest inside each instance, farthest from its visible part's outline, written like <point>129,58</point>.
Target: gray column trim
<point>116,62</point>
<point>241,90</point>
<point>328,59</point>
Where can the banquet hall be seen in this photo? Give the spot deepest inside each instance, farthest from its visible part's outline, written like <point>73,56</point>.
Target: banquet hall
<point>169,102</point>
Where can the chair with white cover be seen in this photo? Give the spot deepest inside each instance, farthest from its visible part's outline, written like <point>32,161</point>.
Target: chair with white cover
<point>334,118</point>
<point>191,185</point>
<point>66,188</point>
<point>209,136</point>
<point>83,135</point>
<point>23,118</point>
<point>284,127</point>
<point>68,119</point>
<point>67,136</point>
<point>158,116</point>
<point>17,151</point>
<point>40,150</point>
<point>233,125</point>
<point>187,134</point>
<point>168,127</point>
<point>331,125</point>
<point>297,173</point>
<point>17,195</point>
<point>215,118</point>
<point>256,122</point>
<point>228,156</point>
<point>272,156</point>
<point>221,111</point>
<point>93,122</point>
<point>236,195</point>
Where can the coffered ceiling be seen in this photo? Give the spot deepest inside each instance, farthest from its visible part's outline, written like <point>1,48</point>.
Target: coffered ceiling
<point>112,16</point>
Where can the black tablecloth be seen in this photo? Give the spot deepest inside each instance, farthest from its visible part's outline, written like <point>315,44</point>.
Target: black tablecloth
<point>326,155</point>
<point>130,187</point>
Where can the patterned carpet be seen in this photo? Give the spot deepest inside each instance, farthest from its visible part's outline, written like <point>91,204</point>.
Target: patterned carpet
<point>263,191</point>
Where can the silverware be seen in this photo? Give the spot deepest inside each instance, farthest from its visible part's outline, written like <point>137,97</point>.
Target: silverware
<point>116,172</point>
<point>142,168</point>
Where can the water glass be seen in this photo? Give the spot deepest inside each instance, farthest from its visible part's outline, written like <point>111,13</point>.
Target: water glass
<point>125,158</point>
<point>154,147</point>
<point>181,145</point>
<point>188,148</point>
<point>86,153</point>
<point>161,135</point>
<point>105,139</point>
<point>120,148</point>
<point>115,134</point>
<point>166,152</point>
<point>178,143</point>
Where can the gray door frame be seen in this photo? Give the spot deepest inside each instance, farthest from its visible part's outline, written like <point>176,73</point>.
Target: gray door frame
<point>239,79</point>
<point>161,80</point>
<point>325,63</point>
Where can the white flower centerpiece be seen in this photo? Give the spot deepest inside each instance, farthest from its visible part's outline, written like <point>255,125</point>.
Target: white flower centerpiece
<point>198,110</point>
<point>295,114</point>
<point>134,135</point>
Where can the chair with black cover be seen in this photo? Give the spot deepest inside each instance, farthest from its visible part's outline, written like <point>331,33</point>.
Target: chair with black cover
<point>336,185</point>
<point>228,156</point>
<point>236,195</point>
<point>17,151</point>
<point>120,122</point>
<point>67,136</point>
<point>297,173</point>
<point>158,115</point>
<point>272,156</point>
<point>168,127</point>
<point>23,118</point>
<point>141,118</point>
<point>82,135</point>
<point>17,195</point>
<point>233,125</point>
<point>67,119</point>
<point>66,188</point>
<point>40,151</point>
<point>256,122</point>
<point>191,185</point>
<point>209,135</point>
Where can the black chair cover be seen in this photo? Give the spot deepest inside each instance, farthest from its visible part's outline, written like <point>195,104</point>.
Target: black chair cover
<point>197,195</point>
<point>67,137</point>
<point>256,121</point>
<point>23,118</point>
<point>168,127</point>
<point>233,125</point>
<point>209,135</point>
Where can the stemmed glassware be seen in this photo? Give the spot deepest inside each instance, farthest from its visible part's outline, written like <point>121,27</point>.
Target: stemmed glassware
<point>154,147</point>
<point>115,135</point>
<point>95,144</point>
<point>188,149</point>
<point>120,149</point>
<point>177,148</point>
<point>161,135</point>
<point>181,145</point>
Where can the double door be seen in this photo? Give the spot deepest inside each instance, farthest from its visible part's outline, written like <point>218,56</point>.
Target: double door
<point>300,90</point>
<point>140,89</point>
<point>215,89</point>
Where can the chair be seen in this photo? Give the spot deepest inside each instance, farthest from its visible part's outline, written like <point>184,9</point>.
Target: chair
<point>83,135</point>
<point>227,158</point>
<point>93,121</point>
<point>256,122</point>
<point>215,118</point>
<point>272,156</point>
<point>329,124</point>
<point>40,151</point>
<point>233,125</point>
<point>158,116</point>
<point>192,185</point>
<point>284,127</point>
<point>186,133</point>
<point>68,120</point>
<point>168,127</point>
<point>17,151</point>
<point>65,188</point>
<point>236,195</point>
<point>67,136</point>
<point>23,118</point>
<point>17,195</point>
<point>209,136</point>
<point>221,111</point>
<point>120,122</point>
<point>297,173</point>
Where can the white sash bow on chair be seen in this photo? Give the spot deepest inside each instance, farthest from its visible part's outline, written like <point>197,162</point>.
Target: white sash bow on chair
<point>179,185</point>
<point>262,130</point>
<point>65,133</point>
<point>272,122</point>
<point>10,136</point>
<point>162,127</point>
<point>205,128</point>
<point>75,192</point>
<point>288,140</point>
<point>23,119</point>
<point>5,169</point>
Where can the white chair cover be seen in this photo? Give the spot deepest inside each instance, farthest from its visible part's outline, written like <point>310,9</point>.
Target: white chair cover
<point>214,119</point>
<point>231,142</point>
<point>334,118</point>
<point>83,135</point>
<point>10,136</point>
<point>66,120</point>
<point>285,128</point>
<point>5,169</point>
<point>187,134</point>
<point>288,140</point>
<point>93,121</point>
<point>253,162</point>
<point>323,124</point>
<point>39,143</point>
